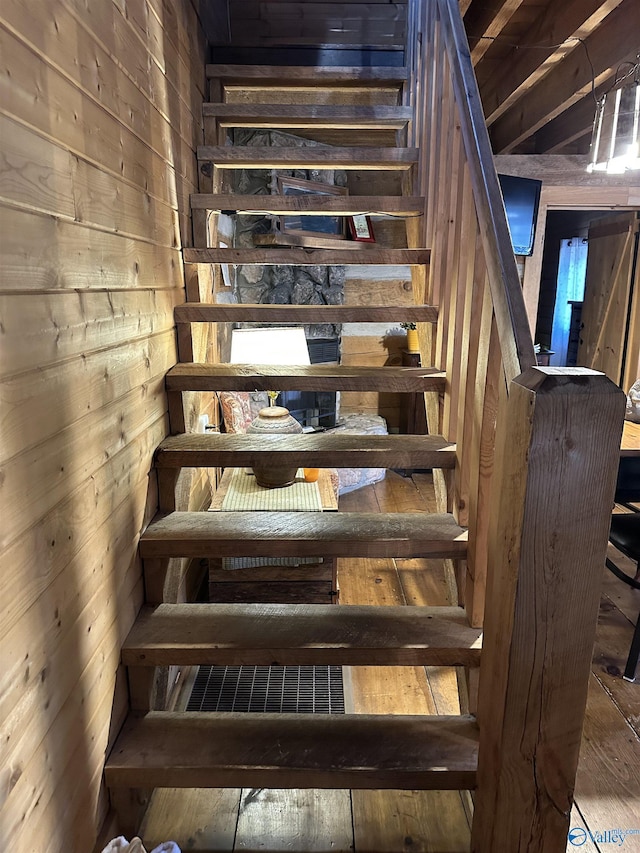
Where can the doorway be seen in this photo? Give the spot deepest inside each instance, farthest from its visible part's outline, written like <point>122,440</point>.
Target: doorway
<point>589,304</point>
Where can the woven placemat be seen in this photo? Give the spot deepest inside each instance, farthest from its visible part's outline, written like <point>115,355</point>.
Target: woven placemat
<point>244,495</point>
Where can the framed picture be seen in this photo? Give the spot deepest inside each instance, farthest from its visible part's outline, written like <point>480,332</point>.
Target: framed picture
<point>360,228</point>
<point>318,226</point>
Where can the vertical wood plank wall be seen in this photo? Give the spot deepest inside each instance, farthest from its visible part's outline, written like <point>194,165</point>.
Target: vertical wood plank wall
<point>100,107</point>
<point>482,339</point>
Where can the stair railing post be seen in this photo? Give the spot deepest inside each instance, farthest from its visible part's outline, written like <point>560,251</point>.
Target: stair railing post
<point>557,454</point>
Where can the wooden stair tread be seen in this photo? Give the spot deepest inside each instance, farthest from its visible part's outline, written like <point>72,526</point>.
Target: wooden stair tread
<point>301,634</point>
<point>320,450</point>
<point>307,257</point>
<point>165,749</point>
<point>309,115</point>
<point>202,312</point>
<point>321,157</point>
<point>311,204</point>
<point>316,377</point>
<point>303,534</point>
<point>297,75</point>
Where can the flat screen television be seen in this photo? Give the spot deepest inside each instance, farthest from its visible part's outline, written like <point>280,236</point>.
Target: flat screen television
<point>521,199</point>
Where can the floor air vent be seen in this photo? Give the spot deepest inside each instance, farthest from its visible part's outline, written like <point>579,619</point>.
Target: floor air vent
<point>270,689</point>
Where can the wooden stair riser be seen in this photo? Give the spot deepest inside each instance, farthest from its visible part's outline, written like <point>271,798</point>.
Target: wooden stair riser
<point>316,377</point>
<point>306,451</point>
<point>303,534</point>
<point>294,751</point>
<point>301,635</point>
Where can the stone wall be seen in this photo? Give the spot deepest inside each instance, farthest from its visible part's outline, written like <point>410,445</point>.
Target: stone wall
<point>283,285</point>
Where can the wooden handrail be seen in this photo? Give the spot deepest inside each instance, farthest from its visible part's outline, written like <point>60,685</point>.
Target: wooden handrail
<point>506,290</point>
<point>536,460</point>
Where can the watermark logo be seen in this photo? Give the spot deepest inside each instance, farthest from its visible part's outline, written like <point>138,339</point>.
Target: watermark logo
<point>578,836</point>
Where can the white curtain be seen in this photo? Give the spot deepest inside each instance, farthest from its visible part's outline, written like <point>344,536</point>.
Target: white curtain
<point>572,271</point>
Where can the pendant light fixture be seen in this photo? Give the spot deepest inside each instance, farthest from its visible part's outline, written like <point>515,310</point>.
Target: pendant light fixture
<point>615,144</point>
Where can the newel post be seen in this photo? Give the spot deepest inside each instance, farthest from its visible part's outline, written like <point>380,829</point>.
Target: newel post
<point>557,450</point>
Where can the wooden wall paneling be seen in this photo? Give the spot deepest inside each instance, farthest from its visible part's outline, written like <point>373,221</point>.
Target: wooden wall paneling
<point>165,30</point>
<point>69,391</point>
<point>84,805</point>
<point>341,32</point>
<point>319,9</point>
<point>319,23</point>
<point>78,526</point>
<point>105,201</point>
<point>373,350</point>
<point>46,670</point>
<point>100,117</point>
<point>107,95</point>
<point>147,39</point>
<point>90,132</point>
<point>34,172</point>
<point>41,253</point>
<point>66,325</point>
<point>83,709</point>
<point>181,21</point>
<point>68,458</point>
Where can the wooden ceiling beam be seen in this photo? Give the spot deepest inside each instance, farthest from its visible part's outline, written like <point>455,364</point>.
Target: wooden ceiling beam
<point>570,125</point>
<point>562,131</point>
<point>612,43</point>
<point>502,82</point>
<point>484,23</point>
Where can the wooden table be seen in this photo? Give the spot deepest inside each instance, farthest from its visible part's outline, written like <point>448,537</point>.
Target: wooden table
<point>630,445</point>
<point>315,583</point>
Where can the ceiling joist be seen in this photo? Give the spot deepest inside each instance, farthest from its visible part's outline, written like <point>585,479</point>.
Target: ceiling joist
<point>486,23</point>
<point>503,82</point>
<point>615,41</point>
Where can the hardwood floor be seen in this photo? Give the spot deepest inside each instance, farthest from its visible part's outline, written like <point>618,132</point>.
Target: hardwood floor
<point>608,782</point>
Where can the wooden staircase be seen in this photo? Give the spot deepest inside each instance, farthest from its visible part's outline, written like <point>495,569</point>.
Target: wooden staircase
<point>506,440</point>
<point>158,748</point>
